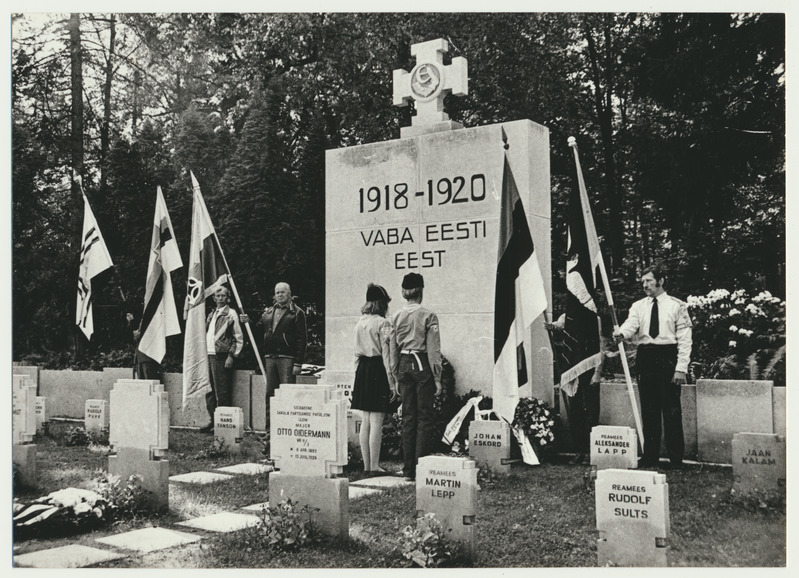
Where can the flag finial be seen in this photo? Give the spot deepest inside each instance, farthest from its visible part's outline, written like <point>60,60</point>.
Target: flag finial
<point>505,144</point>
<point>572,142</point>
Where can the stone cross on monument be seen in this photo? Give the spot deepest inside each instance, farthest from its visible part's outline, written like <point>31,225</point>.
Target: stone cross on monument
<point>427,84</point>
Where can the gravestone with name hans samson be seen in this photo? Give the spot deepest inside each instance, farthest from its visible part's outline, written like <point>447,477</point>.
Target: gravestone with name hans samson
<point>23,428</point>
<point>758,463</point>
<point>429,203</point>
<point>228,429</point>
<point>308,442</point>
<point>42,417</point>
<point>632,516</point>
<point>139,436</point>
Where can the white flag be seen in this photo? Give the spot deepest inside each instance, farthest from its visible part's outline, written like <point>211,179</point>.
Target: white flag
<point>94,259</point>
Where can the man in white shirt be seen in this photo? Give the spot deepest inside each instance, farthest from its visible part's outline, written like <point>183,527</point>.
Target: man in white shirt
<point>661,327</point>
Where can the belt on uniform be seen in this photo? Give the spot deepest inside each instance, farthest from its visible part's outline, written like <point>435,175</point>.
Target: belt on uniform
<point>415,353</point>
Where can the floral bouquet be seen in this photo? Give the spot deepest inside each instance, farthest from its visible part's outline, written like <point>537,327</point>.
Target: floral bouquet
<point>537,421</point>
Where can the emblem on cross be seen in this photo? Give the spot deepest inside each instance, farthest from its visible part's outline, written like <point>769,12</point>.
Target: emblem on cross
<point>430,81</point>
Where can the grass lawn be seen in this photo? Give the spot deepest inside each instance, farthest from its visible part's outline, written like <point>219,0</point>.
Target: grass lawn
<point>535,517</point>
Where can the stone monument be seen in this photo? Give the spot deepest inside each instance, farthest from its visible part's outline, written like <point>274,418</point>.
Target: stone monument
<point>42,417</point>
<point>447,487</point>
<point>489,444</point>
<point>23,428</point>
<point>139,436</point>
<point>632,516</point>
<point>429,202</point>
<point>308,441</point>
<point>614,447</point>
<point>758,463</point>
<point>96,417</point>
<point>229,429</point>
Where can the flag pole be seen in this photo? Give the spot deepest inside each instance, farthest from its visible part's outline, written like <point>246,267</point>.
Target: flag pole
<point>601,261</point>
<point>196,187</point>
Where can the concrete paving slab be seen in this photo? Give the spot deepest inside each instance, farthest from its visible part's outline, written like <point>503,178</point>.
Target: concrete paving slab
<point>381,482</point>
<point>149,539</point>
<point>359,492</point>
<point>257,508</point>
<point>222,522</point>
<point>72,556</point>
<point>246,469</point>
<point>199,478</point>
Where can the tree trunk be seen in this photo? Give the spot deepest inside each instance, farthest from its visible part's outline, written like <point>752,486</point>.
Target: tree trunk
<point>105,129</point>
<point>76,143</point>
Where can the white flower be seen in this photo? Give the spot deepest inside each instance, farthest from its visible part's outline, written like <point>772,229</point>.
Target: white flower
<point>734,312</point>
<point>69,497</point>
<point>733,328</point>
<point>746,332</point>
<point>733,343</point>
<point>740,301</point>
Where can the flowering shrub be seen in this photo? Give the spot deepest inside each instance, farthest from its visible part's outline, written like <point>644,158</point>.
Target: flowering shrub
<point>736,336</point>
<point>537,421</point>
<point>425,544</point>
<point>286,526</point>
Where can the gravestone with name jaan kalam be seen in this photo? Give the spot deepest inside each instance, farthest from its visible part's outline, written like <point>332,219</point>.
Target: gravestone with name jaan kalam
<point>447,487</point>
<point>758,463</point>
<point>23,427</point>
<point>229,429</point>
<point>139,436</point>
<point>632,516</point>
<point>489,444</point>
<point>614,447</point>
<point>429,203</point>
<point>308,441</point>
<point>96,418</point>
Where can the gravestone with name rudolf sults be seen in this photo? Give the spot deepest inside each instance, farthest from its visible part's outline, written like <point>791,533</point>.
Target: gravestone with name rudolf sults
<point>96,418</point>
<point>23,428</point>
<point>489,444</point>
<point>139,436</point>
<point>228,429</point>
<point>447,487</point>
<point>758,463</point>
<point>308,441</point>
<point>429,203</point>
<point>614,447</point>
<point>632,516</point>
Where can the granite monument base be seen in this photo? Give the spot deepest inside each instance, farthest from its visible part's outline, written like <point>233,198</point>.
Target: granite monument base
<point>327,498</point>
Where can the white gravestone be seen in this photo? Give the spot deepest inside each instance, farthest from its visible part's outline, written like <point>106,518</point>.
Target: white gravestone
<point>632,516</point>
<point>42,417</point>
<point>430,204</point>
<point>489,444</point>
<point>758,463</point>
<point>229,428</point>
<point>96,418</point>
<point>23,427</point>
<point>447,487</point>
<point>614,447</point>
<point>308,441</point>
<point>139,436</point>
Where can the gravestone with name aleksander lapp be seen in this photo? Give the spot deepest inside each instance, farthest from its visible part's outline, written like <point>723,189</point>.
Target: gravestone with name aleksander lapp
<point>758,463</point>
<point>614,447</point>
<point>139,436</point>
<point>429,202</point>
<point>308,442</point>
<point>447,487</point>
<point>632,516</point>
<point>489,444</point>
<point>96,418</point>
<point>228,429</point>
<point>23,428</point>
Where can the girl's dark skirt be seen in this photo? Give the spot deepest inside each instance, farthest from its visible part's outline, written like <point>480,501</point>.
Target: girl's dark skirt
<point>371,391</point>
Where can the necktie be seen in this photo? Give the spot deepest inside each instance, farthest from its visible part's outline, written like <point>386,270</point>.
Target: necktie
<point>654,320</point>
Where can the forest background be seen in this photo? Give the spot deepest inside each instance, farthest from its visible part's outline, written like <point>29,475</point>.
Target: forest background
<point>679,118</point>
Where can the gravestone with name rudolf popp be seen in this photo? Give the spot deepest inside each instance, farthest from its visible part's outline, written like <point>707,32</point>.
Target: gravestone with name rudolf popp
<point>632,516</point>
<point>139,436</point>
<point>614,447</point>
<point>447,487</point>
<point>23,427</point>
<point>758,463</point>
<point>96,416</point>
<point>308,441</point>
<point>430,204</point>
<point>229,429</point>
<point>42,417</point>
<point>489,444</point>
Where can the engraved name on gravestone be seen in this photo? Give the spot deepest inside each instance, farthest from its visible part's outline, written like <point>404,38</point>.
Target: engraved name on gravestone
<point>229,428</point>
<point>431,204</point>
<point>489,444</point>
<point>23,410</point>
<point>42,417</point>
<point>447,487</point>
<point>96,416</point>
<point>632,516</point>
<point>614,447</point>
<point>308,430</point>
<point>758,463</point>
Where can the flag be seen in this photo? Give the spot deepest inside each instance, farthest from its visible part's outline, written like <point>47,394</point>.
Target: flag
<point>520,297</point>
<point>160,317</point>
<point>94,259</point>
<point>206,273</point>
<point>580,349</point>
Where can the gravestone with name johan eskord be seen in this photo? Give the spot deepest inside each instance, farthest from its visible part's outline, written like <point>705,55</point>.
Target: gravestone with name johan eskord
<point>447,487</point>
<point>758,463</point>
<point>429,202</point>
<point>23,428</point>
<point>614,447</point>
<point>632,516</point>
<point>489,444</point>
<point>308,441</point>
<point>139,436</point>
